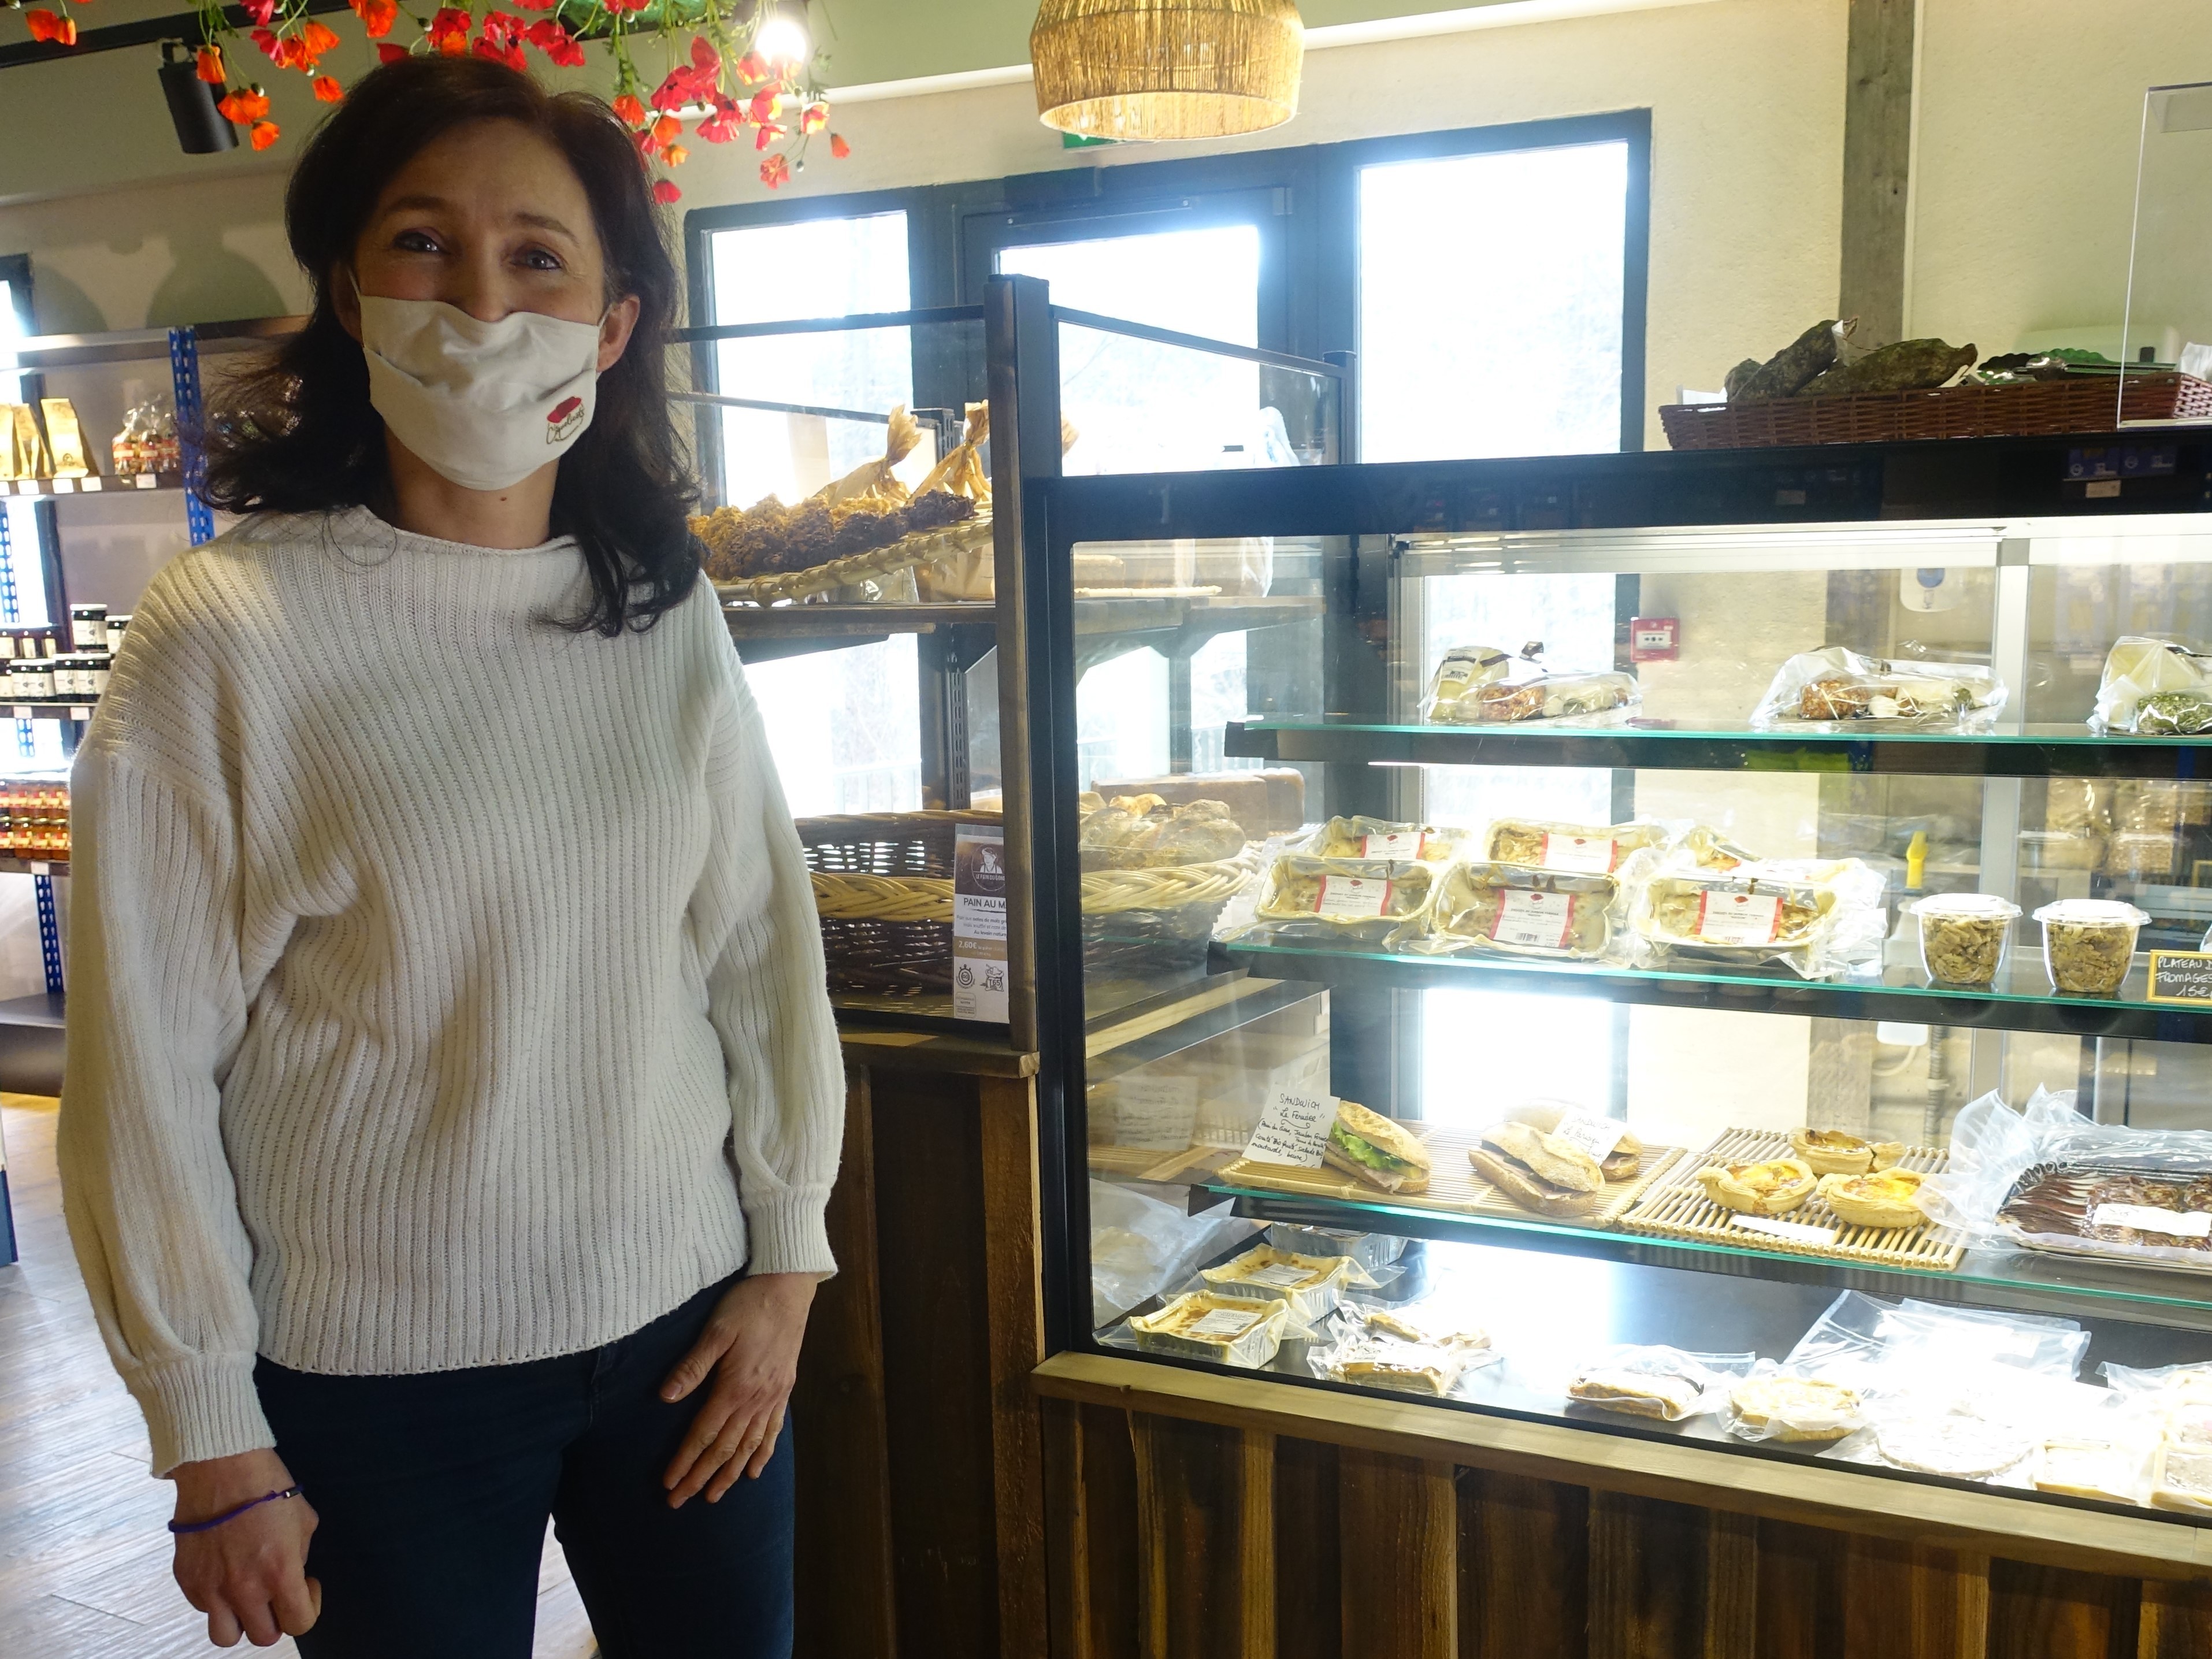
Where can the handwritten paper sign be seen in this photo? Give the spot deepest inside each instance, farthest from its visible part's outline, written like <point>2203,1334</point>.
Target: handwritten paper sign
<point>1293,1127</point>
<point>2180,976</point>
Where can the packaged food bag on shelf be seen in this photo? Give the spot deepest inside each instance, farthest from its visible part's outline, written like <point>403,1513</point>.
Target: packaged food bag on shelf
<point>1838,690</point>
<point>1481,685</point>
<point>1814,915</point>
<point>1313,1285</point>
<point>1518,910</point>
<point>1777,1403</point>
<point>1425,1348</point>
<point>1141,1245</point>
<point>1593,850</point>
<point>1340,900</point>
<point>2153,687</point>
<point>1657,1382</point>
<point>1360,837</point>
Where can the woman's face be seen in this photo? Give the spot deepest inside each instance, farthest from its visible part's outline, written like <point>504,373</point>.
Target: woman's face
<point>490,218</point>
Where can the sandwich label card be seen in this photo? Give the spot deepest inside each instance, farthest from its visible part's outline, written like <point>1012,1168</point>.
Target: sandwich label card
<point>1294,1127</point>
<point>1585,855</point>
<point>1539,921</point>
<point>2143,1218</point>
<point>1797,1232</point>
<point>1352,896</point>
<point>1156,1112</point>
<point>1739,917</point>
<point>1395,844</point>
<point>979,922</point>
<point>1598,1136</point>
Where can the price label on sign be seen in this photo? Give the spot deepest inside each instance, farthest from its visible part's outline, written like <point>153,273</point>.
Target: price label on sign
<point>2142,1218</point>
<point>1535,920</point>
<point>1739,917</point>
<point>1395,844</point>
<point>1293,1128</point>
<point>1352,896</point>
<point>2183,976</point>
<point>1598,1136</point>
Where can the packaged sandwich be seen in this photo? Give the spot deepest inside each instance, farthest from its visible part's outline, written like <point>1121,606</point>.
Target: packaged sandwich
<point>1379,1151</point>
<point>1659,1383</point>
<point>1548,1173</point>
<point>1378,838</point>
<point>2110,1469</point>
<point>2153,687</point>
<point>1832,1151</point>
<point>1202,1325</point>
<point>1343,898</point>
<point>1479,685</point>
<point>1310,1285</point>
<point>1420,1349</point>
<point>1583,849</point>
<point>1773,1188</point>
<point>66,438</point>
<point>1516,910</point>
<point>1837,690</point>
<point>1773,1404</point>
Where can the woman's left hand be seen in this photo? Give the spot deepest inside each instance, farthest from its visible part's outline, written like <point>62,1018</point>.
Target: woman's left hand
<point>751,1348</point>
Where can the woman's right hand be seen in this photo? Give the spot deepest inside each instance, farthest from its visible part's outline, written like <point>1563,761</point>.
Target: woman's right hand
<point>249,1576</point>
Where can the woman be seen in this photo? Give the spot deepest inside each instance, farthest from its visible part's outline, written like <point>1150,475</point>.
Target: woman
<point>452,1097</point>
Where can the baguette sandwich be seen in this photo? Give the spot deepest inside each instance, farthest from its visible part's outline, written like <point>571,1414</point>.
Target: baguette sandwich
<point>1623,1162</point>
<point>1376,1149</point>
<point>1538,1172</point>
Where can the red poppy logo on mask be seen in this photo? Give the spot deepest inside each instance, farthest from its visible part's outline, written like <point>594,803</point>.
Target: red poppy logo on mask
<point>566,417</point>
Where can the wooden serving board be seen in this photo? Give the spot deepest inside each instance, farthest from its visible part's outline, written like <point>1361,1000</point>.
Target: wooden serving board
<point>1454,1187</point>
<point>1678,1208</point>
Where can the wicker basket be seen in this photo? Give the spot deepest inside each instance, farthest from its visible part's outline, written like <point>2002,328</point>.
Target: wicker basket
<point>950,545</point>
<point>883,884</point>
<point>2078,404</point>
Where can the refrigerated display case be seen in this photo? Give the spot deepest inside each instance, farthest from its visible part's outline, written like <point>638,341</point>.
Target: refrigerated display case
<point>1662,1023</point>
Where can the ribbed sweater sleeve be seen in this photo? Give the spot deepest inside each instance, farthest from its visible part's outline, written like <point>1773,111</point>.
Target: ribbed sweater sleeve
<point>156,1009</point>
<point>764,943</point>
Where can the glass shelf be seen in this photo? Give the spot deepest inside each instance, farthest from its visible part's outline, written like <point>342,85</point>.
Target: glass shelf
<point>1998,1277</point>
<point>2035,752</point>
<point>2021,1001</point>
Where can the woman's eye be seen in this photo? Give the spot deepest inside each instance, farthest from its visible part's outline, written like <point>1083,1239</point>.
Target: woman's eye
<point>538,258</point>
<point>416,241</point>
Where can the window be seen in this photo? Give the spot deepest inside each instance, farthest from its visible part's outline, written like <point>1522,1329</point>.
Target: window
<point>1490,303</point>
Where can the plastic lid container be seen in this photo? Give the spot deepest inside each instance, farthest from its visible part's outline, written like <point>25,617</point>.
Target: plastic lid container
<point>1963,936</point>
<point>2088,944</point>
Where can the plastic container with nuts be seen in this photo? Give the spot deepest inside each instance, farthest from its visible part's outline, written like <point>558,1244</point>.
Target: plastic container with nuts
<point>2088,945</point>
<point>1963,936</point>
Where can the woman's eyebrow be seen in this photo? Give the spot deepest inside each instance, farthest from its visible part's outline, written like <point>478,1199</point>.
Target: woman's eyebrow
<point>433,203</point>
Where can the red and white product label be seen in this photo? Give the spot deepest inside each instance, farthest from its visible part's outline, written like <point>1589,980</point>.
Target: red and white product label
<point>1397,844</point>
<point>1352,896</point>
<point>1536,920</point>
<point>1585,855</point>
<point>1739,917</point>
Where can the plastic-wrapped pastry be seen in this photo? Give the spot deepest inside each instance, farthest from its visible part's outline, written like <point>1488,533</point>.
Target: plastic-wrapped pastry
<point>1839,688</point>
<point>1481,685</point>
<point>1748,917</point>
<point>1143,832</point>
<point>1792,1409</point>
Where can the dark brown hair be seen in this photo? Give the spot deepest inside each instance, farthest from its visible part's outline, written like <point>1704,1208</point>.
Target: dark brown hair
<point>298,434</point>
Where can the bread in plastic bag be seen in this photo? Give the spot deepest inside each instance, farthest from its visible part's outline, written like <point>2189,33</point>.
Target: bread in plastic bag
<point>1838,690</point>
<point>1481,685</point>
<point>1776,1404</point>
<point>1515,910</point>
<point>2153,687</point>
<point>1658,1381</point>
<point>1423,1348</point>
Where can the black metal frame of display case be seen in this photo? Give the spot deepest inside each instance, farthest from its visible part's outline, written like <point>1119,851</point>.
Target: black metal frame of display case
<point>1976,479</point>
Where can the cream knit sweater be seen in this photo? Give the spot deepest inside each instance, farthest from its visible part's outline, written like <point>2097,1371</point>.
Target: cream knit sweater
<point>445,987</point>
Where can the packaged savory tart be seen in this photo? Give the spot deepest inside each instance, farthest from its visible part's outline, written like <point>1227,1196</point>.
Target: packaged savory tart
<point>1794,1409</point>
<point>1656,1381</point>
<point>1962,936</point>
<point>1311,1285</point>
<point>1888,1199</point>
<point>1354,898</point>
<point>1584,849</point>
<point>1481,685</point>
<point>1372,1251</point>
<point>1832,1151</point>
<point>1202,1325</point>
<point>1520,911</point>
<point>1837,689</point>
<point>1773,1188</point>
<point>2109,1469</point>
<point>1419,1349</point>
<point>2088,944</point>
<point>1377,838</point>
<point>2153,689</point>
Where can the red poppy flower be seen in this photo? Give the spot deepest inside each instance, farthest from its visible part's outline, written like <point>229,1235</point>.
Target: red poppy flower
<point>722,126</point>
<point>377,16</point>
<point>260,11</point>
<point>209,62</point>
<point>557,43</point>
<point>838,147</point>
<point>46,26</point>
<point>631,111</point>
<point>327,89</point>
<point>813,118</point>
<point>388,53</point>
<point>665,191</point>
<point>264,134</point>
<point>449,31</point>
<point>318,38</point>
<point>775,172</point>
<point>247,104</point>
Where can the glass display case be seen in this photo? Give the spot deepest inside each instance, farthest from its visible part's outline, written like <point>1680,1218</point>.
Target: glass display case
<point>1716,955</point>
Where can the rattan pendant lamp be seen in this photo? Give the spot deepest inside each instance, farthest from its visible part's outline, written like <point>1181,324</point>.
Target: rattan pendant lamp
<point>1166,69</point>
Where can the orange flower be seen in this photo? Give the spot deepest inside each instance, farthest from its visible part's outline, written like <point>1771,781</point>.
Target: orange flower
<point>210,70</point>
<point>45,26</point>
<point>667,130</point>
<point>249,105</point>
<point>328,90</point>
<point>838,147</point>
<point>264,134</point>
<point>665,191</point>
<point>814,117</point>
<point>675,155</point>
<point>319,38</point>
<point>376,16</point>
<point>449,30</point>
<point>775,172</point>
<point>631,110</point>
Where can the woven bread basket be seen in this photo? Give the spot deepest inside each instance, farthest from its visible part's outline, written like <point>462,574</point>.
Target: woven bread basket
<point>2077,403</point>
<point>950,545</point>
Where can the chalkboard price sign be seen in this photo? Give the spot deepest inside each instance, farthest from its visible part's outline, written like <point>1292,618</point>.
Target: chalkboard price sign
<point>2181,976</point>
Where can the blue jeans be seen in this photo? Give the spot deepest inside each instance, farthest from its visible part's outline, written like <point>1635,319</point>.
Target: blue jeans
<point>433,1492</point>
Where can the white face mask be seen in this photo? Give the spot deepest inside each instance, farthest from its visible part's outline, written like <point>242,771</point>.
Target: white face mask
<point>485,404</point>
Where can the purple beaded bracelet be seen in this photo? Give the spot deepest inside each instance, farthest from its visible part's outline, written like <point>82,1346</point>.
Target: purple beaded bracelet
<point>181,1528</point>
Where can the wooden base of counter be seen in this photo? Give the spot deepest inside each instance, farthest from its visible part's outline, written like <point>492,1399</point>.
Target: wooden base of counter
<point>1194,1513</point>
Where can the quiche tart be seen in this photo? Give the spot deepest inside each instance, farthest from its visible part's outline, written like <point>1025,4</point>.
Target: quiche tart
<point>1793,1408</point>
<point>1831,1151</point>
<point>1774,1188</point>
<point>1887,1198</point>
